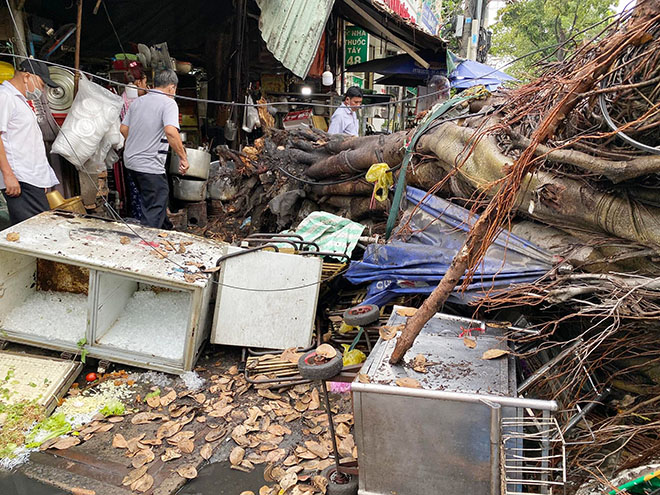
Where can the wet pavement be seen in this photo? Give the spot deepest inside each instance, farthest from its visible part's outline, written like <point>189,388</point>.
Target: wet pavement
<point>19,484</point>
<point>220,479</point>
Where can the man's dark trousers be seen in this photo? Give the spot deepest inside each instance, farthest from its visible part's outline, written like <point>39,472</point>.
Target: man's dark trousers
<point>154,192</point>
<point>29,203</point>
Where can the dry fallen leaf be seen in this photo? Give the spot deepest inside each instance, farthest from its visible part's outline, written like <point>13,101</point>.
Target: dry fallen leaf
<point>494,353</point>
<point>188,471</point>
<point>326,351</point>
<point>265,490</point>
<point>419,363</point>
<point>406,312</point>
<point>266,393</point>
<point>179,437</point>
<point>199,398</point>
<point>65,442</point>
<point>143,457</point>
<point>363,378</point>
<point>290,355</point>
<point>248,492</point>
<point>314,402</point>
<point>124,240</point>
<point>288,481</point>
<point>469,342</point>
<point>317,449</point>
<point>81,491</point>
<point>167,399</point>
<point>13,236</point>
<point>135,475</point>
<point>143,484</point>
<point>153,401</point>
<point>206,451</point>
<point>168,429</point>
<point>145,417</point>
<point>236,456</point>
<point>320,483</point>
<point>388,333</point>
<point>119,442</point>
<point>186,446</point>
<point>170,454</point>
<point>214,435</point>
<point>408,382</point>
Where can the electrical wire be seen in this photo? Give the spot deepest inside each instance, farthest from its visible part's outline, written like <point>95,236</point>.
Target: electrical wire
<point>621,15</point>
<point>184,268</point>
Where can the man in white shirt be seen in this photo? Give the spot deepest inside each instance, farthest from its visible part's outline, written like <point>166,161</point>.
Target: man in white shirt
<point>24,170</point>
<point>344,120</point>
<point>150,127</point>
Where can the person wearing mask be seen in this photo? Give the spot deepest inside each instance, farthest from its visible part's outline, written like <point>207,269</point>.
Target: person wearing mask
<point>150,127</point>
<point>25,173</point>
<point>344,120</point>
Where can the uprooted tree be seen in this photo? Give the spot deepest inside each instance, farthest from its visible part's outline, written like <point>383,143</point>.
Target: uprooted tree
<point>575,150</point>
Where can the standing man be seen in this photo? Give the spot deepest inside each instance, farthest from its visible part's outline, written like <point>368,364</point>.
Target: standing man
<point>344,120</point>
<point>24,170</point>
<point>150,127</point>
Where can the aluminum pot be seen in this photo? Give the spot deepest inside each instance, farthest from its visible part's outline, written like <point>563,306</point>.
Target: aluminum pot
<point>189,189</point>
<point>199,161</point>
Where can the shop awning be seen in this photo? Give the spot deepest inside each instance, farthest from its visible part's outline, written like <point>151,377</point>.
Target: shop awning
<point>389,27</point>
<point>403,70</point>
<point>292,30</point>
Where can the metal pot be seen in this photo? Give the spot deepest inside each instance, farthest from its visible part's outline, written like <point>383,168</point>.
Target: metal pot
<point>189,190</point>
<point>199,161</point>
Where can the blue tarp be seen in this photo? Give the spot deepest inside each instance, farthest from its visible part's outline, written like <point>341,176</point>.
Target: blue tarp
<point>416,263</point>
<point>470,73</point>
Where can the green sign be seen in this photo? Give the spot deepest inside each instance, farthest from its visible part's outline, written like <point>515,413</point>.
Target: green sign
<point>358,81</point>
<point>356,46</point>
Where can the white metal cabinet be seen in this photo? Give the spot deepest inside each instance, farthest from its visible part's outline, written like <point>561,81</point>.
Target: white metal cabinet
<point>118,271</point>
<point>266,300</point>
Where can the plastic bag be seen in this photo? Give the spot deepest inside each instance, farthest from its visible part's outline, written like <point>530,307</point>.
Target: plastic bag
<point>380,175</point>
<point>250,115</point>
<point>355,356</point>
<point>93,113</point>
<point>344,328</point>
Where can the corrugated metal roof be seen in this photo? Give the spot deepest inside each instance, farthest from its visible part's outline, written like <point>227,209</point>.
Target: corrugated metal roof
<point>292,30</point>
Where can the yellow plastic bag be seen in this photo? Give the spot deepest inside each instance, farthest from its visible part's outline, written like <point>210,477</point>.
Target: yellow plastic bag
<point>355,356</point>
<point>380,175</point>
<point>344,328</point>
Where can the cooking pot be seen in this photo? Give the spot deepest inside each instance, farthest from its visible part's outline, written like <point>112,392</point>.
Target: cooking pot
<point>189,189</point>
<point>199,161</point>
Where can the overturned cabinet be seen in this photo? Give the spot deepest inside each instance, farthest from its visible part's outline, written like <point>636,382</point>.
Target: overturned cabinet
<point>127,294</point>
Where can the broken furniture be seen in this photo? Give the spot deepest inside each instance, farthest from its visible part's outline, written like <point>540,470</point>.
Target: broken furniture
<point>123,293</point>
<point>267,299</point>
<point>41,379</point>
<point>448,435</point>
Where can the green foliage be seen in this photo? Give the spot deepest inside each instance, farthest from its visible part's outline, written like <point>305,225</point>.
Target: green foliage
<point>527,25</point>
<point>83,352</point>
<point>55,426</point>
<point>15,419</point>
<point>113,408</point>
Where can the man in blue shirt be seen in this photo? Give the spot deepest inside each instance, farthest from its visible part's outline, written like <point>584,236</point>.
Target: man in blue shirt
<point>344,120</point>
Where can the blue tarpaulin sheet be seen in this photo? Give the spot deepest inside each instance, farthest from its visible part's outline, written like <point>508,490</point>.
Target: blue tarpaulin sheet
<point>470,73</point>
<point>415,263</point>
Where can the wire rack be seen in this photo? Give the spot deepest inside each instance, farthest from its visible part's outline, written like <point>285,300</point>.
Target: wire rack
<point>534,455</point>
